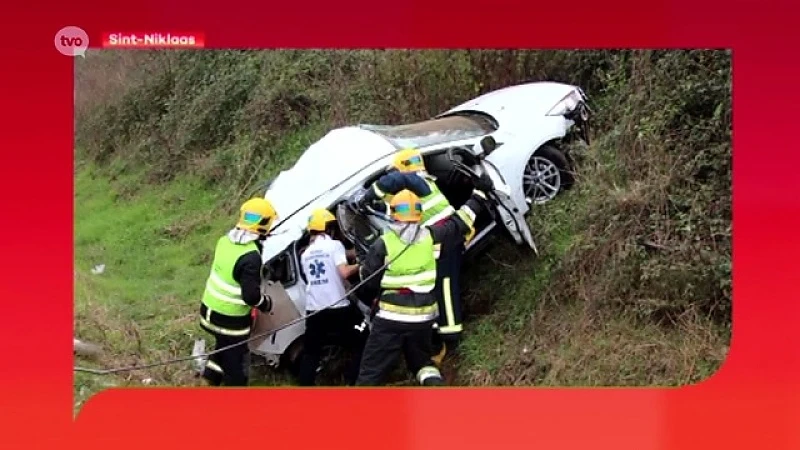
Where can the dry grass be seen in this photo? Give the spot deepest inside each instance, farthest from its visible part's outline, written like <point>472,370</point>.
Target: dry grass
<point>578,345</point>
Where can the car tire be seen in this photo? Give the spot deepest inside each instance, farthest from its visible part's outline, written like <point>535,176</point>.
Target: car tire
<point>547,155</point>
<point>290,359</point>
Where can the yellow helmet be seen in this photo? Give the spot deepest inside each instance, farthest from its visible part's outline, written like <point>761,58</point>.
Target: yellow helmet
<point>408,160</point>
<point>319,220</point>
<point>257,215</point>
<point>405,206</point>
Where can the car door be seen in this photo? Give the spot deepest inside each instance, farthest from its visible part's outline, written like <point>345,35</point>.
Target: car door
<point>287,291</point>
<point>510,215</point>
<point>357,228</point>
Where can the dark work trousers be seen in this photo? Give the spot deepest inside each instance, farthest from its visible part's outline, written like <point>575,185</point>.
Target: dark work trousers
<point>387,341</point>
<point>448,294</point>
<point>345,326</point>
<point>229,366</point>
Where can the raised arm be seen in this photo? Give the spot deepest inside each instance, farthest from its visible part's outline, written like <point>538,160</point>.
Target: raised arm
<point>462,223</point>
<point>394,182</point>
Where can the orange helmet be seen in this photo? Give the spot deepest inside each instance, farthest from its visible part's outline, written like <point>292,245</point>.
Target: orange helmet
<point>405,206</point>
<point>408,160</point>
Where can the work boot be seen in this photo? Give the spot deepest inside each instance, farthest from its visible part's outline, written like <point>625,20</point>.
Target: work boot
<point>430,376</point>
<point>434,381</point>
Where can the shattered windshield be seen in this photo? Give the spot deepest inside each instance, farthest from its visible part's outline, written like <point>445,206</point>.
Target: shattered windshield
<point>436,131</point>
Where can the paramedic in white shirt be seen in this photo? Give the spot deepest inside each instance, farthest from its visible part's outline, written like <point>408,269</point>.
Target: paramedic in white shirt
<point>324,263</point>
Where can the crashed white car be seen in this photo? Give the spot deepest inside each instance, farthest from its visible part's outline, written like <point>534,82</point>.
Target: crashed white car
<point>514,134</point>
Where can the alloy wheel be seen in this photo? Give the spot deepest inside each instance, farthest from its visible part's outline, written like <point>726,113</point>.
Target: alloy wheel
<point>541,180</point>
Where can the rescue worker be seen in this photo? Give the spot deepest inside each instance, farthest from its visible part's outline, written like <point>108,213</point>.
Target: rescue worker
<point>233,289</point>
<point>406,304</point>
<point>410,173</point>
<point>325,265</point>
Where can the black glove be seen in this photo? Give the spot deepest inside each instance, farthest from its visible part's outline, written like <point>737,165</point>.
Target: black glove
<point>266,304</point>
<point>484,183</point>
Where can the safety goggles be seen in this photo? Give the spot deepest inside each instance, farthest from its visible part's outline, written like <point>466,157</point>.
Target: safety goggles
<point>413,161</point>
<point>407,208</point>
<point>251,218</point>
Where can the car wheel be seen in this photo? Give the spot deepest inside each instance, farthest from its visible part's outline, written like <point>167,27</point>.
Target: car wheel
<point>290,359</point>
<point>546,174</point>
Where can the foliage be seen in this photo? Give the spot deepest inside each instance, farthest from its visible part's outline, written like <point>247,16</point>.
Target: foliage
<point>638,253</point>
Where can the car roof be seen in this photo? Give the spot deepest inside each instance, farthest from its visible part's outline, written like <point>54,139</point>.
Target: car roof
<point>325,169</point>
<point>343,158</point>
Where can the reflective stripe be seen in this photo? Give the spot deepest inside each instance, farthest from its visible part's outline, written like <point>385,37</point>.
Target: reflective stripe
<point>467,215</point>
<point>437,250</point>
<point>213,366</point>
<point>451,329</point>
<point>470,235</point>
<point>433,201</point>
<point>225,331</point>
<point>225,286</point>
<point>428,372</point>
<point>439,216</point>
<point>448,303</point>
<point>378,190</point>
<point>411,318</point>
<point>421,310</point>
<point>222,297</point>
<point>405,281</point>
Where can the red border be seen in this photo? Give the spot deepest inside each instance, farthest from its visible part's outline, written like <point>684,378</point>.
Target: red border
<point>753,402</point>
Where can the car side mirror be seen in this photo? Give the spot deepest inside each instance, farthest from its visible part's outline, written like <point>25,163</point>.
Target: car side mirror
<point>488,144</point>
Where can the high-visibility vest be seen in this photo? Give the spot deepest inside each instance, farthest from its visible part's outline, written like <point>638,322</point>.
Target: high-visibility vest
<point>223,295</point>
<point>415,271</point>
<point>435,205</point>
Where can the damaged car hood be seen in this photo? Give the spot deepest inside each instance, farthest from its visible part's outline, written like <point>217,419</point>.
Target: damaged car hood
<point>325,171</point>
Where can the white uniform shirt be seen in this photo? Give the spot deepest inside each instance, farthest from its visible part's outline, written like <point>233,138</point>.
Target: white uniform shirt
<point>324,285</point>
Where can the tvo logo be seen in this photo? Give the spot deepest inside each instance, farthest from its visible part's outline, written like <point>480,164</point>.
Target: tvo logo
<point>72,41</point>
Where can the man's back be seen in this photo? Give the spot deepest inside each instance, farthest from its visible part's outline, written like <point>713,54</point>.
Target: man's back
<point>319,263</point>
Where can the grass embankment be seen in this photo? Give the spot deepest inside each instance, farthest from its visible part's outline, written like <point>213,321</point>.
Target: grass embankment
<point>154,247</point>
<point>633,283</point>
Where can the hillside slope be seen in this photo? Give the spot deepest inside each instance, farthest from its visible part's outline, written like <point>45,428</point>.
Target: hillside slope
<point>633,284</point>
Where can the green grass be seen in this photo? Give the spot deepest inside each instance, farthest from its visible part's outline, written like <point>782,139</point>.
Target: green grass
<point>506,286</point>
<point>156,246</point>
